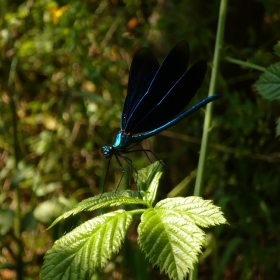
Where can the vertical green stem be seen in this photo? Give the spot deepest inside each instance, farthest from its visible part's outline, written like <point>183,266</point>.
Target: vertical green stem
<point>17,221</point>
<point>209,108</point>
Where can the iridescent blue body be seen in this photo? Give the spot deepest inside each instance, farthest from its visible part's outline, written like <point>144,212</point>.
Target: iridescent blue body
<point>156,95</point>
<point>121,143</point>
<point>124,141</point>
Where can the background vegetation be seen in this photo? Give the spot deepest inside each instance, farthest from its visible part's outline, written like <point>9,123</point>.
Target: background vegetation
<point>64,70</point>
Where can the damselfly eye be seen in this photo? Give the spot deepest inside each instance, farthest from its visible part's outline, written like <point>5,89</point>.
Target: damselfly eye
<point>106,151</point>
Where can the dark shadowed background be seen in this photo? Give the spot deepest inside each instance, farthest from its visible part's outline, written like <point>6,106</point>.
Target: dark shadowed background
<point>63,76</point>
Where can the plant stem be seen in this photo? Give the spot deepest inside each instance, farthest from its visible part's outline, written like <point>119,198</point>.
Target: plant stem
<point>17,221</point>
<point>209,108</point>
<point>244,63</point>
<point>137,211</point>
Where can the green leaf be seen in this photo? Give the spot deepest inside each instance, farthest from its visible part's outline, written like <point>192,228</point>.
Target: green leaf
<point>78,254</point>
<point>278,127</point>
<point>169,241</point>
<point>194,209</point>
<point>109,199</point>
<point>6,220</point>
<point>277,48</point>
<point>268,85</point>
<point>47,211</point>
<point>169,235</point>
<point>148,180</point>
<point>44,189</point>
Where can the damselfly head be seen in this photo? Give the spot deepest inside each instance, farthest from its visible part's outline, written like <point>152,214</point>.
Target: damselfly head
<point>107,151</point>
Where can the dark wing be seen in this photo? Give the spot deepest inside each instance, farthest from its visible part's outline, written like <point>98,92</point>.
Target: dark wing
<point>175,100</point>
<point>173,67</point>
<point>143,69</point>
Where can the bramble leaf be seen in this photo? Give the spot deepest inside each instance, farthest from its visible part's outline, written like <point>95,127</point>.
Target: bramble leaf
<point>194,209</point>
<point>78,254</point>
<point>109,199</point>
<point>169,235</point>
<point>268,84</point>
<point>148,180</point>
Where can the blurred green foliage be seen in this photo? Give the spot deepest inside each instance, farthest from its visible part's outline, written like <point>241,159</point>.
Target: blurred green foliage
<point>64,65</point>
